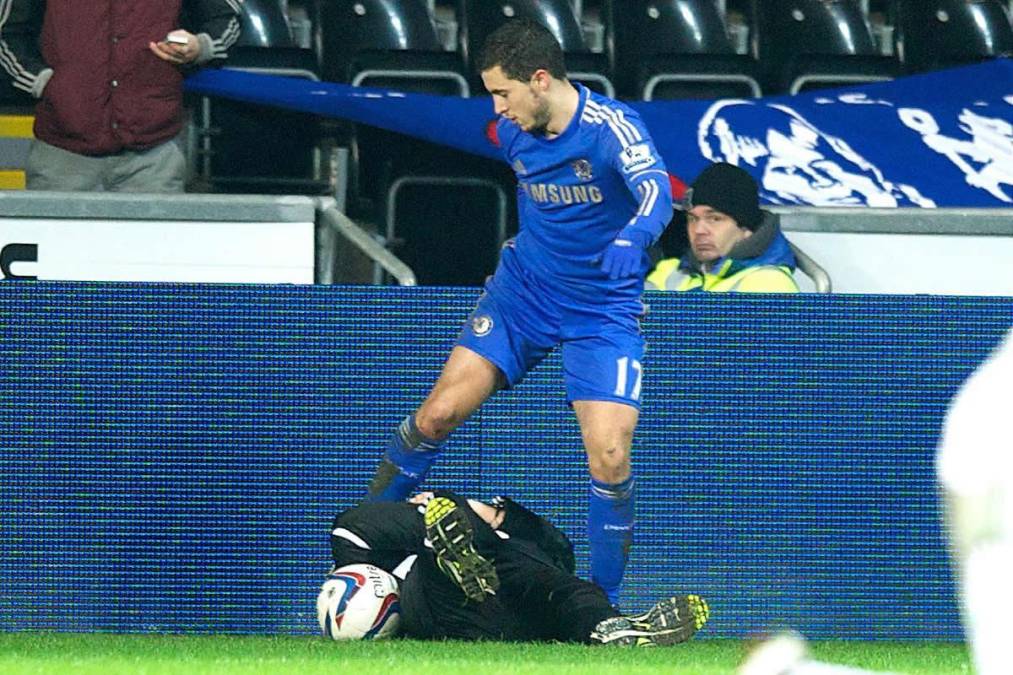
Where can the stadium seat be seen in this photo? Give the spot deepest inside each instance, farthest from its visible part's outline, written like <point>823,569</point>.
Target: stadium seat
<point>449,228</point>
<point>261,149</point>
<point>402,184</point>
<point>264,24</point>
<point>252,148</point>
<point>933,34</point>
<point>479,18</point>
<point>387,43</point>
<point>676,49</point>
<point>809,44</point>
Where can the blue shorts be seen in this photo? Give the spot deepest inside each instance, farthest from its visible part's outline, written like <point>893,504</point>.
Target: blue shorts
<point>518,320</point>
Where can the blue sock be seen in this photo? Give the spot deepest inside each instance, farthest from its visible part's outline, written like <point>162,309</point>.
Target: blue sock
<point>406,462</point>
<point>610,532</point>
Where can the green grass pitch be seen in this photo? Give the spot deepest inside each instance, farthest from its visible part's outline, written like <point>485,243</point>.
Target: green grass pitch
<point>105,654</point>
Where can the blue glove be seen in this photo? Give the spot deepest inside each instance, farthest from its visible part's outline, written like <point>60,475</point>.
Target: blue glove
<point>624,256</point>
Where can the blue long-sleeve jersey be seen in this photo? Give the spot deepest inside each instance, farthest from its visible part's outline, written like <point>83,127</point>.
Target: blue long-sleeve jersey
<point>578,190</point>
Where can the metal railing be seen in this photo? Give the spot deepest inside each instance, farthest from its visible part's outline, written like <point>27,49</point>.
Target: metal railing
<point>809,267</point>
<point>331,222</point>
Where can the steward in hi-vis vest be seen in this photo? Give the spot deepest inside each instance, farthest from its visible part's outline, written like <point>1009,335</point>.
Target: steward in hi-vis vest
<point>733,244</point>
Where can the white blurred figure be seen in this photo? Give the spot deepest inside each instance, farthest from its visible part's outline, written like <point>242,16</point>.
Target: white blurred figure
<point>975,468</point>
<point>786,654</point>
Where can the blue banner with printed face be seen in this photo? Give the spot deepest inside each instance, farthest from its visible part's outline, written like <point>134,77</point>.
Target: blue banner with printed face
<point>938,139</point>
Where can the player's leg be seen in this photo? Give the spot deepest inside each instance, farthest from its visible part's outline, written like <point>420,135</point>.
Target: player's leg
<point>534,565</point>
<point>467,380</point>
<point>503,338</point>
<point>603,376</point>
<point>975,473</point>
<point>434,608</point>
<point>607,431</point>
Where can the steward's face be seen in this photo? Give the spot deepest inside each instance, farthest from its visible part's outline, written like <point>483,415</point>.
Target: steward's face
<point>524,103</point>
<point>712,234</point>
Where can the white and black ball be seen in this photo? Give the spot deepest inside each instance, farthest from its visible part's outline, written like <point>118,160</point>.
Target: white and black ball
<point>359,602</point>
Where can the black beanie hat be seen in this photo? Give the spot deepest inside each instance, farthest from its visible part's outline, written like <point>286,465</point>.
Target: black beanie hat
<point>726,188</point>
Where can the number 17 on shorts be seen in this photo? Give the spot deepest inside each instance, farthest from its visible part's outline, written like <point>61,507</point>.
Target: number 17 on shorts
<point>604,370</point>
<point>629,376</point>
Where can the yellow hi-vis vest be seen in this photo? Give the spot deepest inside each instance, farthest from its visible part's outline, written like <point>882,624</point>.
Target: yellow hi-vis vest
<point>760,279</point>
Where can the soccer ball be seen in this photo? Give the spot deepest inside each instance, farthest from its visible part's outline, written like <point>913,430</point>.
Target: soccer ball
<point>359,602</point>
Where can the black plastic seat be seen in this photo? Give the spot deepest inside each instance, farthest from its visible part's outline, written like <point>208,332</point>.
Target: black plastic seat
<point>387,43</point>
<point>264,24</point>
<point>676,49</point>
<point>254,148</point>
<point>396,181</point>
<point>250,148</point>
<point>479,18</point>
<point>390,44</point>
<point>811,44</point>
<point>934,34</point>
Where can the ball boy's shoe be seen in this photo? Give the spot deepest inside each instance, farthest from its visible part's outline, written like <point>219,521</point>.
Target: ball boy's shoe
<point>452,537</point>
<point>667,623</point>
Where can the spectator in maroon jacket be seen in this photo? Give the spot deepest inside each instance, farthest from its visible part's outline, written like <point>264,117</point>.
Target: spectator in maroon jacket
<point>109,79</point>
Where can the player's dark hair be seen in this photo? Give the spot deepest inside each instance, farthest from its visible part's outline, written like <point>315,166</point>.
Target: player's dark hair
<point>520,47</point>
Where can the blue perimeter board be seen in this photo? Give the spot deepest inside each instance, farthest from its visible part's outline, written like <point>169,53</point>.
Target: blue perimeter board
<point>173,454</point>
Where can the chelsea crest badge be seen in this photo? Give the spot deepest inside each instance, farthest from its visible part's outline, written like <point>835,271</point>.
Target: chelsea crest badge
<point>481,325</point>
<point>582,168</point>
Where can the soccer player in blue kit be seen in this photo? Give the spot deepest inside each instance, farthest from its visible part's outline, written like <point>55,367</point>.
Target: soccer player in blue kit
<point>593,195</point>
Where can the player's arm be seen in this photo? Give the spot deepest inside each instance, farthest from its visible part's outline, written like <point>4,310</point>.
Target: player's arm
<point>376,533</point>
<point>636,159</point>
<point>20,26</point>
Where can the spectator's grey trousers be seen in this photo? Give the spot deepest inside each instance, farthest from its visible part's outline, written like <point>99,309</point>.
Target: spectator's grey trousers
<point>158,169</point>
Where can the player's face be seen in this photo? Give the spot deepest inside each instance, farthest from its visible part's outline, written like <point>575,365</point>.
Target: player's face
<point>712,234</point>
<point>521,102</point>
